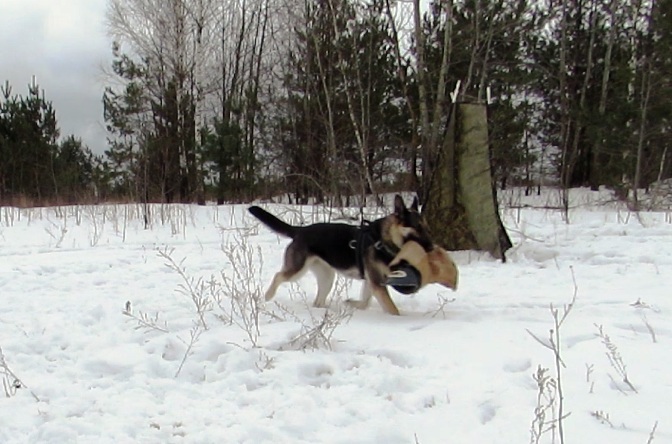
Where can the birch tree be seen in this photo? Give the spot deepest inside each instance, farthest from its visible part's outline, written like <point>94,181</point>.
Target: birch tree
<point>172,42</point>
<point>242,70</point>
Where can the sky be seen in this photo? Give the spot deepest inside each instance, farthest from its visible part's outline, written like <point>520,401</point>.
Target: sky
<point>64,45</point>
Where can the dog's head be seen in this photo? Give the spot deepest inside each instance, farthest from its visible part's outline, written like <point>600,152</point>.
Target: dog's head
<point>407,224</point>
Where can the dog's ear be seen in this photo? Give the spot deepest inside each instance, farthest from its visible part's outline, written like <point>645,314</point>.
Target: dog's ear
<point>415,206</point>
<point>399,205</point>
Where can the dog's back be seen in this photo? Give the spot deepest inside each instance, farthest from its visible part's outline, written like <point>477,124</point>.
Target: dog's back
<point>332,242</point>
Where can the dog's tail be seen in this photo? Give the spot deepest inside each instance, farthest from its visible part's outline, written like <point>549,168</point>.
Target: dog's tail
<point>272,222</point>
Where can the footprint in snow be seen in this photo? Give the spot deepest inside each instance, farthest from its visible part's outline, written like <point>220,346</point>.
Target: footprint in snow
<point>396,358</point>
<point>571,341</point>
<point>418,327</point>
<point>486,412</point>
<point>517,366</point>
<point>315,373</point>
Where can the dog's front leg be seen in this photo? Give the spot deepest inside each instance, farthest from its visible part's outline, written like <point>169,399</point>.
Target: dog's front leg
<point>371,289</point>
<point>384,299</point>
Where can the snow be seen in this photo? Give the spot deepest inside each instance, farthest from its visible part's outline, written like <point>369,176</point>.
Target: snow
<point>455,367</point>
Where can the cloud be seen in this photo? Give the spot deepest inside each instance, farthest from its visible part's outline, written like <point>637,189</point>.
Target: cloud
<point>64,45</point>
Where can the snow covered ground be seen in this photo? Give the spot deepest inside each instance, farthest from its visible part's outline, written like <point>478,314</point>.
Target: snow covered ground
<point>77,284</point>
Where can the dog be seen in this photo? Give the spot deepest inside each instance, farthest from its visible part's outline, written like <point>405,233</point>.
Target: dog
<point>358,252</point>
<point>434,267</point>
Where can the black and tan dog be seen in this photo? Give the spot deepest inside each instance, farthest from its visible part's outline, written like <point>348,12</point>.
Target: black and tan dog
<point>358,252</point>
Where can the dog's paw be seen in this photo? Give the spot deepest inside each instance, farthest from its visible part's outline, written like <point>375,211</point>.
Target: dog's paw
<point>359,305</point>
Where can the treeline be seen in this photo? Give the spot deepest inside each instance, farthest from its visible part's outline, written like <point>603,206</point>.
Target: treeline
<point>36,165</point>
<point>324,99</point>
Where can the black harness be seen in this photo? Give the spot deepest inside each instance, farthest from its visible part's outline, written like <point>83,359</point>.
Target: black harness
<point>404,277</point>
<point>369,235</point>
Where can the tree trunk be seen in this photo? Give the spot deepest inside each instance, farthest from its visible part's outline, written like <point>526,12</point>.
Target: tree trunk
<point>410,101</point>
<point>445,217</point>
<point>565,124</point>
<point>462,201</point>
<point>594,174</point>
<point>475,180</point>
<point>575,154</point>
<point>641,139</point>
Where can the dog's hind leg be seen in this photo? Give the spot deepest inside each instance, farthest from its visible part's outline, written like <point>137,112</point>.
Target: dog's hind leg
<point>279,278</point>
<point>325,280</point>
<point>293,267</point>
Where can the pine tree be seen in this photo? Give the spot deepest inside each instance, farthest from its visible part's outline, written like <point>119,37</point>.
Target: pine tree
<point>229,162</point>
<point>342,105</point>
<point>73,166</point>
<point>129,128</point>
<point>660,163</point>
<point>28,144</point>
<point>34,164</point>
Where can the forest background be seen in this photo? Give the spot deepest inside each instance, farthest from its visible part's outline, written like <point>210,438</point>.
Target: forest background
<point>323,100</point>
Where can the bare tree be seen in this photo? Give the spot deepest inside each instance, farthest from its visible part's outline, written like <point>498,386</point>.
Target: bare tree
<point>604,89</point>
<point>243,27</point>
<point>205,69</point>
<point>431,127</point>
<point>173,41</point>
<point>644,98</point>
